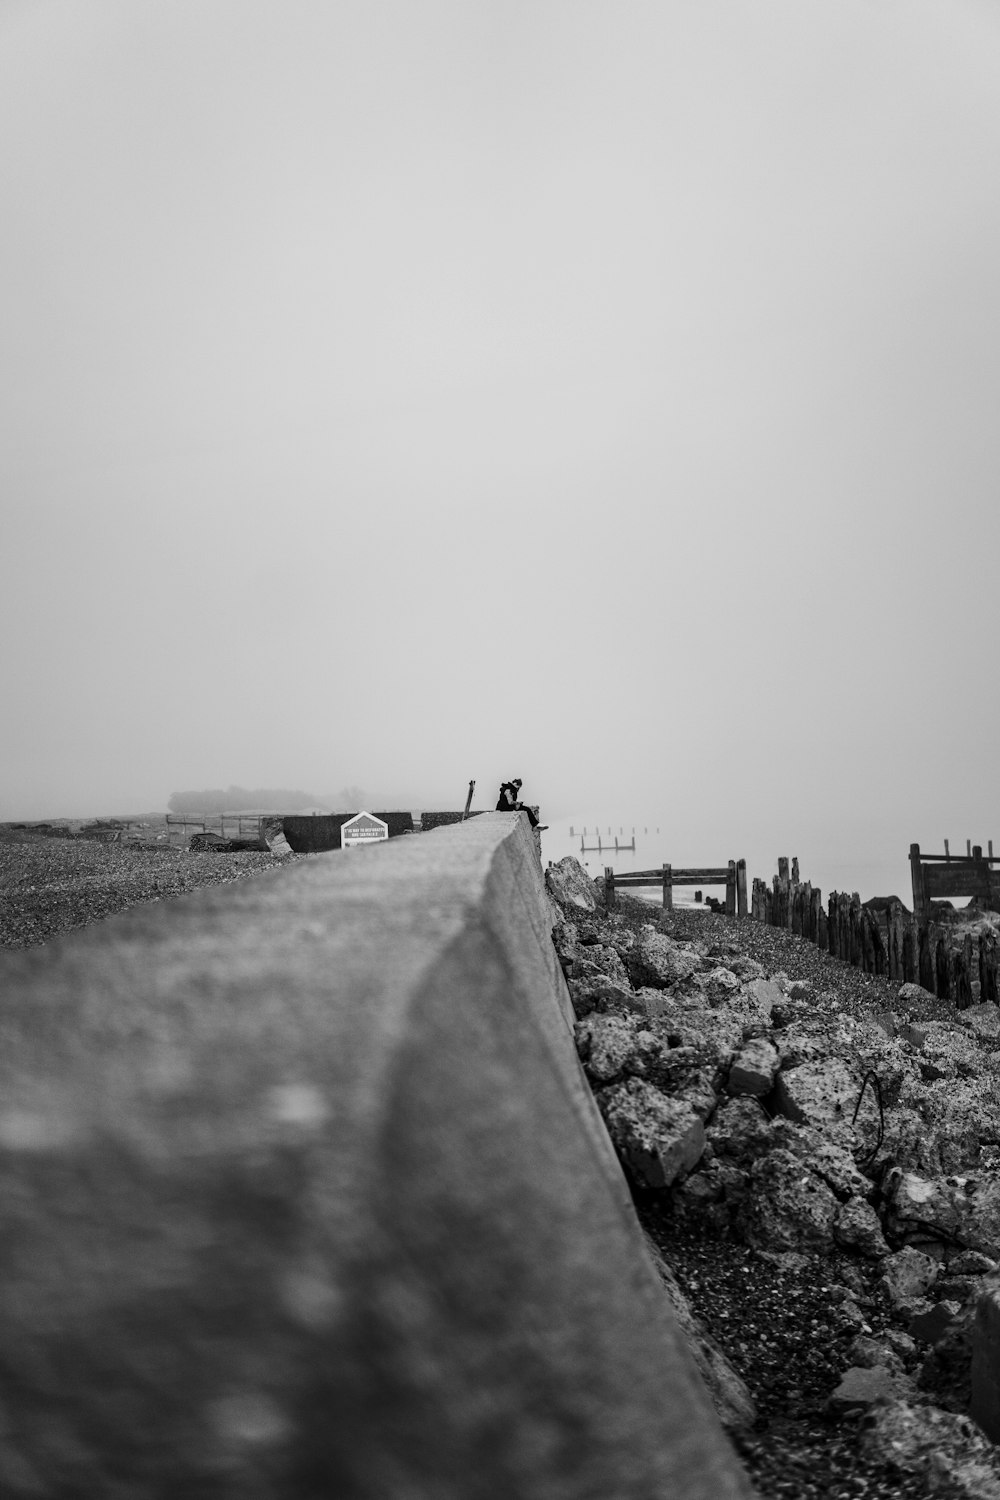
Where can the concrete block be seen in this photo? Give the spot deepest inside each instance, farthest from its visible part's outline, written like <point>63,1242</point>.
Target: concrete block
<point>303,1193</point>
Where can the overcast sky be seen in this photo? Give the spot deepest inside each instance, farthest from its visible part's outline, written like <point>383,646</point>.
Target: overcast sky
<point>602,393</point>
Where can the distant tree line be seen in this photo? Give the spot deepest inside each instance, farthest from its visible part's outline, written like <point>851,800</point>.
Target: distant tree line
<point>241,799</point>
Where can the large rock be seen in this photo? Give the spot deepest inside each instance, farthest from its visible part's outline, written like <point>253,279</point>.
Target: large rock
<point>941,1448</point>
<point>947,1051</point>
<point>566,941</point>
<point>857,1227</point>
<point>657,1138</point>
<point>788,1208</point>
<point>963,1211</point>
<point>825,1092</point>
<point>659,962</point>
<point>605,1044</point>
<point>764,994</point>
<point>688,1022</point>
<point>595,991</point>
<point>833,1162</point>
<point>614,1046</point>
<point>908,1275</point>
<point>604,960</point>
<point>718,986</point>
<point>570,884</point>
<point>864,1386</point>
<point>923,1136</point>
<point>754,1068</point>
<point>742,1131</point>
<point>866,1352</point>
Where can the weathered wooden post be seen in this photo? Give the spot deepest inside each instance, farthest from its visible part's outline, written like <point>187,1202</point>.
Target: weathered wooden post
<point>963,980</point>
<point>757,899</point>
<point>878,941</point>
<point>782,915</point>
<point>942,972</point>
<point>894,938</point>
<point>668,888</point>
<point>925,959</point>
<point>741,887</point>
<point>866,942</point>
<point>609,888</point>
<point>988,968</point>
<point>843,927</point>
<point>731,888</point>
<point>911,933</point>
<point>917,882</point>
<point>817,926</point>
<point>961,990</point>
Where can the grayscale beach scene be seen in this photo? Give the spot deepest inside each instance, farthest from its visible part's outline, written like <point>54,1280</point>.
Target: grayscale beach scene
<point>499,820</point>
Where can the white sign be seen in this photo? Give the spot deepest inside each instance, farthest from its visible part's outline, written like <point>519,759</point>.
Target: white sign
<point>362,829</point>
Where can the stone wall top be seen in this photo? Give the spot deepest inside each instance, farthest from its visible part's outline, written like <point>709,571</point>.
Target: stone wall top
<point>302,1193</point>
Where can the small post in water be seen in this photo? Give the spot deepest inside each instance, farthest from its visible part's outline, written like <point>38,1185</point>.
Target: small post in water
<point>609,887</point>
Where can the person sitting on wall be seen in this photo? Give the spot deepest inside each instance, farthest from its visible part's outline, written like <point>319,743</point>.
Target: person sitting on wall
<point>510,792</point>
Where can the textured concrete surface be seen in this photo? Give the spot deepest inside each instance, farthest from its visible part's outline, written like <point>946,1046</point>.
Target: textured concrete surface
<point>302,1194</point>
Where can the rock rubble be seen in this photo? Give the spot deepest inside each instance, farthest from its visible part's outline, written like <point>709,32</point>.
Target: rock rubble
<point>782,1115</point>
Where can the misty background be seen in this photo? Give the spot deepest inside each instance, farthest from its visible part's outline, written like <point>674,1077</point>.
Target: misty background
<point>602,394</point>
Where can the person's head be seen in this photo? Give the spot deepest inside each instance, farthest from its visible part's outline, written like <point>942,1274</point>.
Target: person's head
<point>516,782</point>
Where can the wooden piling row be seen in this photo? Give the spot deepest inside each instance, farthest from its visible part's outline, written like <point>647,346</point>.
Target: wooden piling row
<point>894,943</point>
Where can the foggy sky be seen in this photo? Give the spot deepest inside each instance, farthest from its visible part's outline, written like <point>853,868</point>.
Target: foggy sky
<point>605,394</point>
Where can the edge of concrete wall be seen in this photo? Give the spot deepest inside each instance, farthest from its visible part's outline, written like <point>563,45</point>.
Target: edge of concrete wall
<point>303,1192</point>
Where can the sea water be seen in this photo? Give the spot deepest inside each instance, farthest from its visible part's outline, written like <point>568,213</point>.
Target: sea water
<point>880,875</point>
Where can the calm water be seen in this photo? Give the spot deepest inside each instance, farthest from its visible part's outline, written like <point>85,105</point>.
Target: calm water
<point>653,847</point>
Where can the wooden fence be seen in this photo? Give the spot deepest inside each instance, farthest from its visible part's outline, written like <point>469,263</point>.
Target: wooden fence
<point>941,876</point>
<point>733,876</point>
<point>881,938</point>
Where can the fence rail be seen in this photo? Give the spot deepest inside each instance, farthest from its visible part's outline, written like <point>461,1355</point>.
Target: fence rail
<point>733,876</point>
<point>940,876</point>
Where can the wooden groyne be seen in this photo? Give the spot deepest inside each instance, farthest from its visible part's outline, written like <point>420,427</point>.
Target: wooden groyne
<point>881,937</point>
<point>733,876</point>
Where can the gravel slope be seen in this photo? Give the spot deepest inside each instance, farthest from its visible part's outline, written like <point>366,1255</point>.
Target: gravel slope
<point>51,885</point>
<point>781,1324</point>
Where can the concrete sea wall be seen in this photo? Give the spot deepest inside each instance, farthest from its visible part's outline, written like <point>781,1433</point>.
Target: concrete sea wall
<point>303,1193</point>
